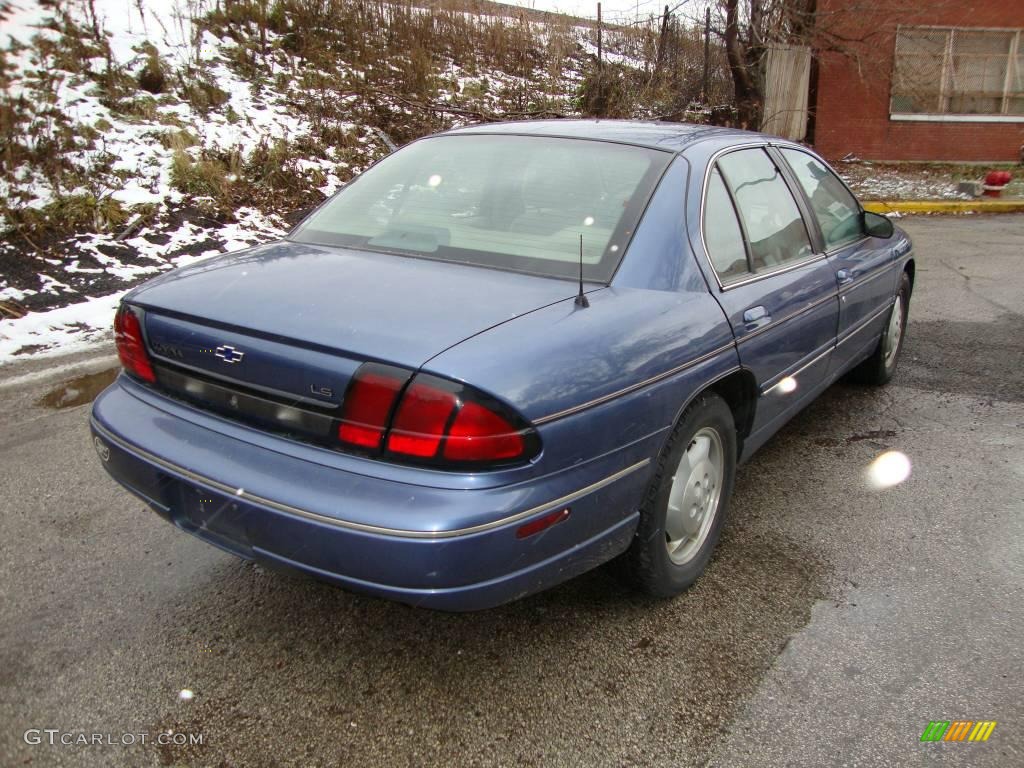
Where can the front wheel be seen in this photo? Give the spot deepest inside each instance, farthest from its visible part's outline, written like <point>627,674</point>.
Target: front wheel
<point>684,509</point>
<point>879,368</point>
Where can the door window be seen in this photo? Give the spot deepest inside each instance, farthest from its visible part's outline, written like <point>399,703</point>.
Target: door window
<point>836,210</point>
<point>775,230</point>
<point>722,233</point>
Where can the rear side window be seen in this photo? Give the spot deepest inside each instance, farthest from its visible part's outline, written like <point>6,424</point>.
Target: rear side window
<point>775,230</point>
<point>722,233</point>
<point>836,210</point>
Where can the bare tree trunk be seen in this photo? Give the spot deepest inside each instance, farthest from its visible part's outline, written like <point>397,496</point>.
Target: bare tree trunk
<point>659,60</point>
<point>743,58</point>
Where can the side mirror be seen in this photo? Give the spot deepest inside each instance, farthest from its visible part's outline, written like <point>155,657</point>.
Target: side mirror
<point>877,225</point>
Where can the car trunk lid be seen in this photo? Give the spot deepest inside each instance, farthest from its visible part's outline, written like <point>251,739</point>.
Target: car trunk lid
<point>292,322</point>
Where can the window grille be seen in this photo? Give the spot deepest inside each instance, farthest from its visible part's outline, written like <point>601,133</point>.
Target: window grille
<point>958,71</point>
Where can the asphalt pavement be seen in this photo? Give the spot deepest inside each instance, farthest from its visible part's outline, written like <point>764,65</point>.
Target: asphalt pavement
<point>836,619</point>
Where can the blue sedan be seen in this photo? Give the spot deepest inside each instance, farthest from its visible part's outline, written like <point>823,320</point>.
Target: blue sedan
<point>505,355</point>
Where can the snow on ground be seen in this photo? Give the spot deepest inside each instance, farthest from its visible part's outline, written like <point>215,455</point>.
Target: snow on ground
<point>87,322</point>
<point>871,181</point>
<point>609,56</point>
<point>166,24</point>
<point>135,155</point>
<point>96,264</point>
<point>60,331</point>
<point>143,149</point>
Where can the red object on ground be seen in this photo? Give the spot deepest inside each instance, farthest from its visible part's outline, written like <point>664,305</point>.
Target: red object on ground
<point>998,178</point>
<point>995,181</point>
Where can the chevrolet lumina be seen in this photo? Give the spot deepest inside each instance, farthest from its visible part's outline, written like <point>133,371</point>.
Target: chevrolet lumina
<point>504,355</point>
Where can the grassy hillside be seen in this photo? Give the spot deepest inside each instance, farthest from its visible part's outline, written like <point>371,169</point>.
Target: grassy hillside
<point>136,135</point>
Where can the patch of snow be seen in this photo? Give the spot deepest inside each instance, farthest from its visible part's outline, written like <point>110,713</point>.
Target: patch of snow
<point>59,331</point>
<point>22,22</point>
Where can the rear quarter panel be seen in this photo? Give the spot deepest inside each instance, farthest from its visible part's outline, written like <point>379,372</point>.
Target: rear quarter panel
<point>617,373</point>
<point>599,379</point>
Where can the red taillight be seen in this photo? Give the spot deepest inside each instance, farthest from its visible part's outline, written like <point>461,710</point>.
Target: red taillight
<point>480,434</point>
<point>131,347</point>
<point>368,404</point>
<point>421,420</point>
<point>431,421</point>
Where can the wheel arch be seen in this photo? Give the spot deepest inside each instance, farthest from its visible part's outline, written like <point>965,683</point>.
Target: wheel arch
<point>738,388</point>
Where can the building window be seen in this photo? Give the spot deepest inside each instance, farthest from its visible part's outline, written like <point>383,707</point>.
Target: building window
<point>958,72</point>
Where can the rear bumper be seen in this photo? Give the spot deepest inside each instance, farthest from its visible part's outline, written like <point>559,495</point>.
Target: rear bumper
<point>436,547</point>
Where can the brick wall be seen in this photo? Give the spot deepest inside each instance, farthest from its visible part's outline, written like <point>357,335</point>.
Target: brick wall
<point>852,105</point>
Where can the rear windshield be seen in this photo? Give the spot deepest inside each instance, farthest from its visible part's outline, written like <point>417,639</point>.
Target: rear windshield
<point>512,202</point>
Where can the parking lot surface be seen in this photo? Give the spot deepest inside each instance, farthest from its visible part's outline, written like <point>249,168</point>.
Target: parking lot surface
<point>834,623</point>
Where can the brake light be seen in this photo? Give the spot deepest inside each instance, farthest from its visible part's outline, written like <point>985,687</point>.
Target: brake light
<point>131,348</point>
<point>479,433</point>
<point>431,421</point>
<point>421,420</point>
<point>368,404</point>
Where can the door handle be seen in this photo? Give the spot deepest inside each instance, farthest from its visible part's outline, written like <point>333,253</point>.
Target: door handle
<point>843,276</point>
<point>758,315</point>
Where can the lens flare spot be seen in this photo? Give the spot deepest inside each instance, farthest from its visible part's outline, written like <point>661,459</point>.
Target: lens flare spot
<point>787,385</point>
<point>588,222</point>
<point>435,180</point>
<point>888,469</point>
<point>185,694</point>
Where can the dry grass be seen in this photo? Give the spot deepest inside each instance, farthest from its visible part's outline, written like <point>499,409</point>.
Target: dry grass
<point>65,216</point>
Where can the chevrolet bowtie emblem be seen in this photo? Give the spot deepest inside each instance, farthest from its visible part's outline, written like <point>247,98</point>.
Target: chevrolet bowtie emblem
<point>229,354</point>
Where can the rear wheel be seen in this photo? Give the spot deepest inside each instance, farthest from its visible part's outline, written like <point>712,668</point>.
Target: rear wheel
<point>880,367</point>
<point>684,508</point>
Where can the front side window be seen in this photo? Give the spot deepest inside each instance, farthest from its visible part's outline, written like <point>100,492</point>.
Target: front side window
<point>774,227</point>
<point>836,210</point>
<point>518,203</point>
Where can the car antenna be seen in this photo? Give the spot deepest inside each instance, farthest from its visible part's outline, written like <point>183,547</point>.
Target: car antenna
<point>581,297</point>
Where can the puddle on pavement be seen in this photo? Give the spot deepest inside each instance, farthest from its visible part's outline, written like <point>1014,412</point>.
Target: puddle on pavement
<point>78,391</point>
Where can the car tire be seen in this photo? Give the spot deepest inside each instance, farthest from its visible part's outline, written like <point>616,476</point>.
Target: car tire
<point>880,367</point>
<point>679,521</point>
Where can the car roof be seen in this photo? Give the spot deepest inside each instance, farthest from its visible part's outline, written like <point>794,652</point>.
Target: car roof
<point>673,137</point>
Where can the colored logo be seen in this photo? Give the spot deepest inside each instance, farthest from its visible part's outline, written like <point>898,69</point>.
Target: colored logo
<point>958,730</point>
